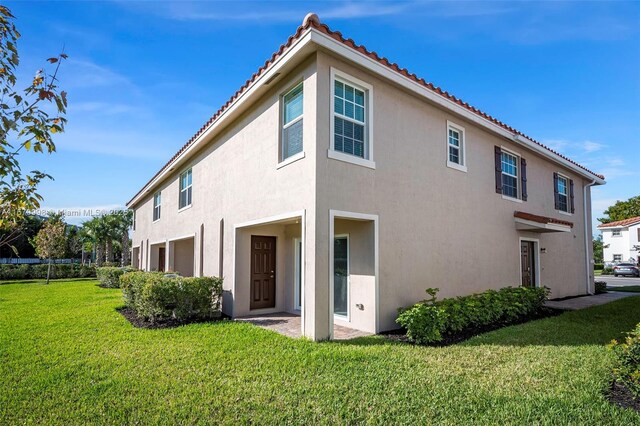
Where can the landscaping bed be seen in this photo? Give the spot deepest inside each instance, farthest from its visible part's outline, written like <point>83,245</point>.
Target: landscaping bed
<point>400,335</point>
<point>622,397</point>
<point>139,322</point>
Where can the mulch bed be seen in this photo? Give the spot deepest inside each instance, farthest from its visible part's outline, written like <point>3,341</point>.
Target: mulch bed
<point>622,397</point>
<point>451,339</point>
<point>132,317</point>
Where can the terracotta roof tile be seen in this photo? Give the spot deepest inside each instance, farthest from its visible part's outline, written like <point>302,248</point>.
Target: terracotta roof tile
<point>625,222</point>
<point>541,219</point>
<point>312,21</point>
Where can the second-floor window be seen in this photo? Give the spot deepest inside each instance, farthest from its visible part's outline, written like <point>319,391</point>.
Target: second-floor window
<point>157,204</point>
<point>349,119</point>
<point>615,233</point>
<point>562,186</point>
<point>292,122</point>
<point>509,174</point>
<point>455,147</point>
<point>185,190</point>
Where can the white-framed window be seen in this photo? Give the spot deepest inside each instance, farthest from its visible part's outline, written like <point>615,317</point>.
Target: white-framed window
<point>157,204</point>
<point>616,233</point>
<point>617,258</point>
<point>456,157</point>
<point>510,174</point>
<point>185,189</point>
<point>292,109</point>
<point>351,113</point>
<point>562,187</point>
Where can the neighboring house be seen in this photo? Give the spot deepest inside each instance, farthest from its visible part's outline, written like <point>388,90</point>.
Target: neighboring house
<point>338,186</point>
<point>621,240</point>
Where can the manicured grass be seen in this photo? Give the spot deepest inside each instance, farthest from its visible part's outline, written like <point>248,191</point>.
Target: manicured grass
<point>629,288</point>
<point>67,357</point>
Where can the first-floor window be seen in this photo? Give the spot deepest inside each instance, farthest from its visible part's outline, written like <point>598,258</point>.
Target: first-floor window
<point>341,276</point>
<point>157,201</point>
<point>509,174</point>
<point>563,193</point>
<point>617,258</point>
<point>185,189</point>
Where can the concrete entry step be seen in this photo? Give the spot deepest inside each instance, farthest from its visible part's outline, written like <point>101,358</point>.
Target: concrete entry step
<point>289,325</point>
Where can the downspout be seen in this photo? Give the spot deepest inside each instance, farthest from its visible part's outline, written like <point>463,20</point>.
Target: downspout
<point>587,240</point>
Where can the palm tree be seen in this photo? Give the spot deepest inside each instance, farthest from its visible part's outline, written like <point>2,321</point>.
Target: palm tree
<point>96,229</point>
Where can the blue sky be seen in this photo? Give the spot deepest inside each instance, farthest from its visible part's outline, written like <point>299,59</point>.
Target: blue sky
<point>142,77</point>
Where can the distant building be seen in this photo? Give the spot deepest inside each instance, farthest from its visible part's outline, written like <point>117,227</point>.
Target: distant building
<point>621,240</point>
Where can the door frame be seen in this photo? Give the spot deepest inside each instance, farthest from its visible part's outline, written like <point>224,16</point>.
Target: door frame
<point>299,214</point>
<point>536,259</point>
<point>298,267</point>
<point>333,214</point>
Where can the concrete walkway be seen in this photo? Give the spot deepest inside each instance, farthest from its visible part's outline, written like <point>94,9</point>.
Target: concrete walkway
<point>289,325</point>
<point>588,301</point>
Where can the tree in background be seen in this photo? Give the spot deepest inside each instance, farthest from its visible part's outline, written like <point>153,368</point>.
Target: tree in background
<point>108,231</point>
<point>28,120</point>
<point>75,242</point>
<point>622,210</point>
<point>598,254</point>
<point>18,239</point>
<point>51,241</point>
<point>124,222</point>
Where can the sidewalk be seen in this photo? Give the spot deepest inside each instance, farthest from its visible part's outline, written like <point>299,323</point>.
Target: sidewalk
<point>588,301</point>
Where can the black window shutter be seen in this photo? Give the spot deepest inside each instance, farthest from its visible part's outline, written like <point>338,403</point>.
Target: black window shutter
<point>573,208</point>
<point>556,197</point>
<point>498,157</point>
<point>523,178</point>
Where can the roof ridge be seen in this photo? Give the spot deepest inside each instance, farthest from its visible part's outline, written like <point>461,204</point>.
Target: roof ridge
<point>311,20</point>
<point>627,221</point>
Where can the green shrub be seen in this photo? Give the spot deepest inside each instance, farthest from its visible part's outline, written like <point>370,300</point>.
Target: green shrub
<point>156,297</point>
<point>430,320</point>
<point>598,266</point>
<point>607,271</point>
<point>601,287</point>
<point>627,361</point>
<point>39,271</point>
<point>109,276</point>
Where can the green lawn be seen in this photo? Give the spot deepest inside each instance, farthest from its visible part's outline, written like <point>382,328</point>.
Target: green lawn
<point>629,288</point>
<point>67,357</point>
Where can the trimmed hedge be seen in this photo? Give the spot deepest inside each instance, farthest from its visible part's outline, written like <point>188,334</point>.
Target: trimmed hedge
<point>109,276</point>
<point>429,320</point>
<point>601,287</point>
<point>598,266</point>
<point>156,297</point>
<point>607,271</point>
<point>39,271</point>
<point>627,361</point>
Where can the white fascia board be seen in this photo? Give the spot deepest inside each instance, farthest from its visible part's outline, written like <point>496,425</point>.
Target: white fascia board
<point>382,70</point>
<point>221,121</point>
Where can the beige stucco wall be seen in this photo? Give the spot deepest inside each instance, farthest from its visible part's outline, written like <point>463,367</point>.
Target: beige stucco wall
<point>236,178</point>
<point>439,227</point>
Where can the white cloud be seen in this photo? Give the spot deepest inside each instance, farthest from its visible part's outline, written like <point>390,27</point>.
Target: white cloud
<point>84,73</point>
<point>590,146</point>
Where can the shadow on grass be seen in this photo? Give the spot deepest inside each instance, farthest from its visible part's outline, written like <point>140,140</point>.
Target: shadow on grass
<point>629,288</point>
<point>592,326</point>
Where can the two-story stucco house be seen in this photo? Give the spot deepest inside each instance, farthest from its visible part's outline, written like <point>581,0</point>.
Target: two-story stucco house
<point>621,240</point>
<point>338,186</point>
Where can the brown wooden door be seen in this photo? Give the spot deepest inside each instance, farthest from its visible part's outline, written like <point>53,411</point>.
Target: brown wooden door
<point>161,257</point>
<point>527,263</point>
<point>263,272</point>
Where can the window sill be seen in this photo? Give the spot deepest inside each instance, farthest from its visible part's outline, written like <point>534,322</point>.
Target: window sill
<point>292,159</point>
<point>340,156</point>
<point>457,166</point>
<point>185,208</point>
<point>564,213</point>
<point>515,200</point>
